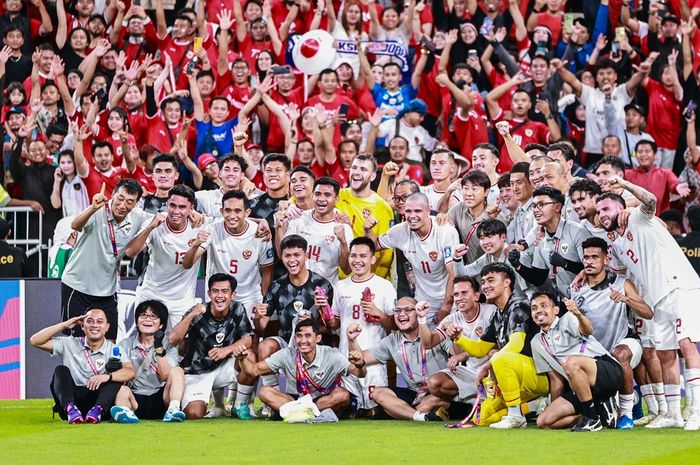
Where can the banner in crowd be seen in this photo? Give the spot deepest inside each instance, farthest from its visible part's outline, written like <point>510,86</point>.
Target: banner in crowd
<point>11,340</point>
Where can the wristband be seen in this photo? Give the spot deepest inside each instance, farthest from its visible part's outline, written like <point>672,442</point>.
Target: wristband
<point>160,354</point>
<point>422,320</point>
<point>361,366</point>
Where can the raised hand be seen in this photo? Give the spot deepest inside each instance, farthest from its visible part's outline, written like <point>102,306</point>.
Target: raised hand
<point>99,200</point>
<point>202,237</point>
<point>601,42</point>
<point>572,307</point>
<point>617,296</point>
<point>5,54</point>
<point>390,168</point>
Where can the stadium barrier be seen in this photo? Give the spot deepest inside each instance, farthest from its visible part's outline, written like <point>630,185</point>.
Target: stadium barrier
<point>19,216</point>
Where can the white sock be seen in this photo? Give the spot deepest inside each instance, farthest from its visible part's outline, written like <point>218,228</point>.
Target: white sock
<point>514,411</point>
<point>418,416</point>
<point>244,392</point>
<point>270,380</point>
<point>626,404</point>
<point>660,397</point>
<point>673,398</point>
<point>218,395</point>
<point>231,392</point>
<point>174,405</point>
<point>692,388</point>
<point>648,395</point>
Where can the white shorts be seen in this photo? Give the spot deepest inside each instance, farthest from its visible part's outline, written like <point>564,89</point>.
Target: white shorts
<point>282,343</point>
<point>361,387</point>
<point>465,379</point>
<point>676,317</point>
<point>176,308</point>
<point>635,346</point>
<point>645,331</point>
<point>199,387</point>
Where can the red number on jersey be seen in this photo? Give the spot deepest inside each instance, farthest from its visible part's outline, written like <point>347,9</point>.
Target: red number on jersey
<point>233,266</point>
<point>630,254</point>
<point>679,325</point>
<point>179,257</point>
<point>314,252</point>
<point>426,267</point>
<point>638,324</point>
<point>356,312</point>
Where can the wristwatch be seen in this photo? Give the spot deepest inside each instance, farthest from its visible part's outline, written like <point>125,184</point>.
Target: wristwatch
<point>160,354</point>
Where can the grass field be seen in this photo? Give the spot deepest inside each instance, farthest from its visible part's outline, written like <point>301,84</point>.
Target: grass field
<point>28,435</point>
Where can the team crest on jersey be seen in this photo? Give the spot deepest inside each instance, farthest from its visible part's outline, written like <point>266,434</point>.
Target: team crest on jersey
<point>189,54</point>
<point>611,236</point>
<point>629,235</point>
<point>247,253</point>
<point>529,132</point>
<point>557,338</point>
<point>479,331</point>
<point>579,302</point>
<point>433,255</point>
<point>298,306</point>
<point>366,212</point>
<point>100,363</point>
<point>330,238</point>
<point>219,338</point>
<point>565,247</point>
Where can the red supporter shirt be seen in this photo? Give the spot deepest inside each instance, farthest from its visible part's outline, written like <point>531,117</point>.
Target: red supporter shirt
<point>275,137</point>
<point>523,132</point>
<point>135,51</point>
<point>664,115</point>
<point>553,22</point>
<point>496,79</point>
<point>333,106</point>
<point>469,130</point>
<point>659,181</point>
<point>236,95</point>
<point>93,181</point>
<point>429,89</point>
<point>338,172</point>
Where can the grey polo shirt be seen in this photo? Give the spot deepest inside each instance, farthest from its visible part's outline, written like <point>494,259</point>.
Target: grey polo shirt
<point>522,287</point>
<point>562,339</point>
<point>76,352</point>
<point>567,242</point>
<point>92,268</point>
<point>521,224</point>
<point>466,226</point>
<point>324,370</point>
<point>148,381</point>
<point>394,346</point>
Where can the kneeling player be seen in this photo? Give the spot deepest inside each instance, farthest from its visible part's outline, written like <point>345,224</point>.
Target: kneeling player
<point>156,392</point>
<point>580,371</point>
<point>309,368</point>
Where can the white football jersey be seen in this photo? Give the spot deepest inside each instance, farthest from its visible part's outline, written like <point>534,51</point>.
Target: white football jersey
<point>241,256</point>
<point>165,277</point>
<point>323,252</point>
<point>428,257</point>
<point>347,295</point>
<point>653,257</point>
<point>434,197</point>
<point>209,202</point>
<point>471,329</point>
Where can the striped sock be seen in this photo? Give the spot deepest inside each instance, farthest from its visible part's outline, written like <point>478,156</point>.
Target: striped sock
<point>660,397</point>
<point>673,398</point>
<point>692,388</point>
<point>648,395</point>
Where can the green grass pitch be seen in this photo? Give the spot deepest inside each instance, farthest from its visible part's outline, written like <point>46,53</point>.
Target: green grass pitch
<point>28,435</point>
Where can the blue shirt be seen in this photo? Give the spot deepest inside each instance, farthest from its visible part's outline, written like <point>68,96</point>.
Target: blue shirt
<point>218,140</point>
<point>396,100</point>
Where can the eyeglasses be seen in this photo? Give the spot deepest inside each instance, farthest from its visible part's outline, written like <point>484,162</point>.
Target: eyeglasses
<point>400,198</point>
<point>406,310</point>
<point>540,205</point>
<point>149,316</point>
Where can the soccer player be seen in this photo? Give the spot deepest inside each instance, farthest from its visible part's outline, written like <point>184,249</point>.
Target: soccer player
<point>232,169</point>
<point>458,380</point>
<point>558,255</point>
<point>579,369</point>
<point>359,202</point>
<point>523,220</point>
<point>168,239</point>
<point>367,300</point>
<point>234,249</point>
<point>509,332</point>
<point>416,365</point>
<point>90,278</point>
<point>326,237</point>
<point>671,287</point>
<point>211,331</point>
<point>87,381</point>
<point>442,169</point>
<point>159,383</point>
<point>605,299</point>
<point>165,174</point>
<point>428,247</point>
<point>292,297</point>
<point>309,368</point>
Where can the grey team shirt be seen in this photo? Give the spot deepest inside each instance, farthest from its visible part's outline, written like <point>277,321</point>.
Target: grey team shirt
<point>148,381</point>
<point>75,353</point>
<point>92,268</point>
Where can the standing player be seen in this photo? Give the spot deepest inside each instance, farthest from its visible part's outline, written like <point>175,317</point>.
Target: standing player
<point>359,202</point>
<point>234,249</point>
<point>442,169</point>
<point>168,239</point>
<point>671,286</point>
<point>605,300</point>
<point>210,333</point>
<point>367,300</point>
<point>459,379</point>
<point>327,238</point>
<point>232,169</point>
<point>428,247</point>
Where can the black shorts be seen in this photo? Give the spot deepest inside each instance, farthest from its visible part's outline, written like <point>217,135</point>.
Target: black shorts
<point>151,407</point>
<point>74,303</point>
<point>607,382</point>
<point>456,410</point>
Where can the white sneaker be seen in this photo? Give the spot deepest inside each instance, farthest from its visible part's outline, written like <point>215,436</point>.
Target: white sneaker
<point>665,421</point>
<point>693,423</point>
<point>645,420</point>
<point>510,422</point>
<point>215,412</point>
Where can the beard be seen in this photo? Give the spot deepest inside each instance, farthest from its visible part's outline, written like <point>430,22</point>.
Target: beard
<point>613,225</point>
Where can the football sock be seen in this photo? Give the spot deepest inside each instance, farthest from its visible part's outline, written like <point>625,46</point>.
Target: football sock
<point>419,416</point>
<point>174,405</point>
<point>588,408</point>
<point>649,398</point>
<point>270,380</point>
<point>692,388</point>
<point>244,392</point>
<point>514,411</point>
<point>660,397</point>
<point>231,392</point>
<point>218,395</point>
<point>626,404</point>
<point>673,399</point>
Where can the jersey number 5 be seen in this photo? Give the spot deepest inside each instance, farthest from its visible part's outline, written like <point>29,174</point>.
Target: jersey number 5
<point>233,266</point>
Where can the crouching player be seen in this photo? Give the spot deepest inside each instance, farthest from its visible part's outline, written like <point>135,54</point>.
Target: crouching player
<point>156,392</point>
<point>581,372</point>
<point>309,369</point>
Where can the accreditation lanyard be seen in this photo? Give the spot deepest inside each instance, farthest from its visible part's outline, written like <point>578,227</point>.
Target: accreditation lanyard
<point>472,230</point>
<point>89,359</point>
<point>423,364</point>
<point>112,234</point>
<point>305,381</point>
<point>145,358</point>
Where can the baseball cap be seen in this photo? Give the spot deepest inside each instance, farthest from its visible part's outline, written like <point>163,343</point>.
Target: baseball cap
<point>16,110</point>
<point>670,17</point>
<point>204,160</point>
<point>5,227</point>
<point>636,107</point>
<point>252,146</point>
